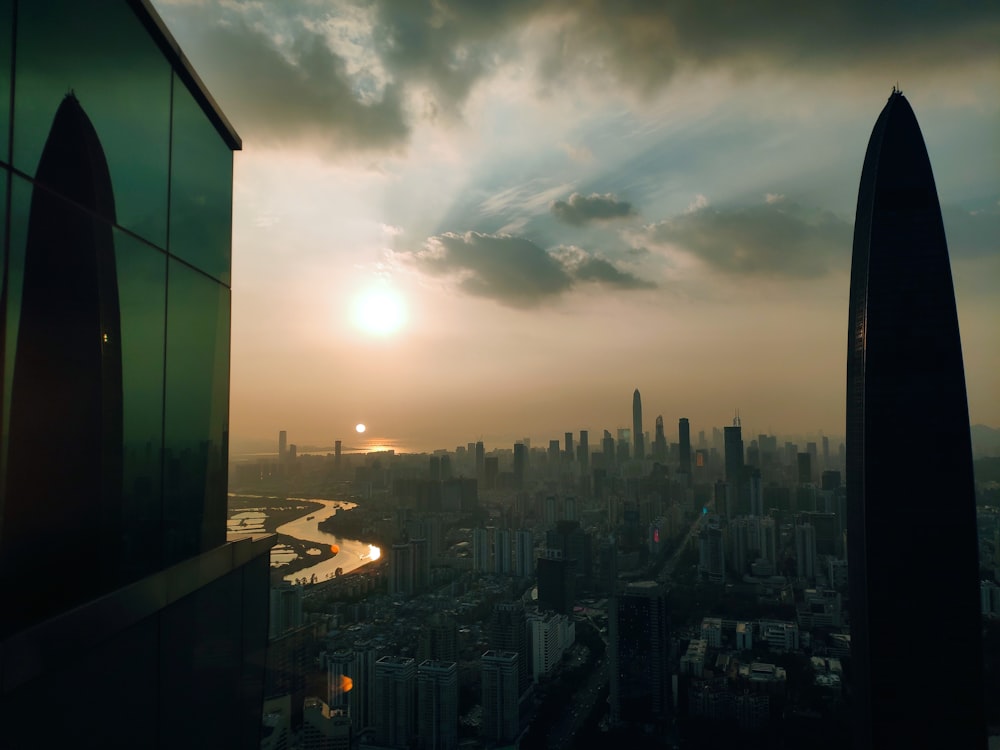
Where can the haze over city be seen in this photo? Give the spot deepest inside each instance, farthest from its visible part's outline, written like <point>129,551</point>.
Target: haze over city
<point>554,204</point>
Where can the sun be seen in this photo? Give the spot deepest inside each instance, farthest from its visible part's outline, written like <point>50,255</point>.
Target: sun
<point>359,428</point>
<point>379,311</point>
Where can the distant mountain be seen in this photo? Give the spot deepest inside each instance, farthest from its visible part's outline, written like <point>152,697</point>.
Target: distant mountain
<point>985,441</point>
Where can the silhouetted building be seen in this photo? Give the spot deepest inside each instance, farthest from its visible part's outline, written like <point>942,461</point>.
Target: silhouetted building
<point>905,377</point>
<point>500,696</point>
<point>520,464</point>
<point>660,441</point>
<point>639,451</point>
<point>583,450</point>
<point>395,701</point>
<point>684,447</point>
<point>437,705</point>
<point>508,631</point>
<point>803,463</point>
<point>116,391</point>
<point>639,646</point>
<point>556,582</point>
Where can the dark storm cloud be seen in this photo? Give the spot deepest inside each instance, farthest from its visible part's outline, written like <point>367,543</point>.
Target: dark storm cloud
<point>298,91</point>
<point>580,209</point>
<point>514,271</point>
<point>640,44</point>
<point>772,239</point>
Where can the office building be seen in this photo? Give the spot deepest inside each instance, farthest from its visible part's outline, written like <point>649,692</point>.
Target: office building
<point>361,697</point>
<point>339,678</point>
<point>520,464</point>
<point>639,646</point>
<point>499,696</point>
<point>116,206</point>
<point>480,461</point>
<point>282,445</point>
<point>660,442</point>
<point>583,451</point>
<point>639,449</point>
<point>905,377</point>
<point>437,705</point>
<point>684,447</point>
<point>395,695</point>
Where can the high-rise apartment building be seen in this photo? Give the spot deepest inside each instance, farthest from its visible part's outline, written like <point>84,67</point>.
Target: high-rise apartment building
<point>500,696</point>
<point>905,377</point>
<point>116,211</point>
<point>508,631</point>
<point>639,646</point>
<point>437,705</point>
<point>395,696</point>
<point>524,554</point>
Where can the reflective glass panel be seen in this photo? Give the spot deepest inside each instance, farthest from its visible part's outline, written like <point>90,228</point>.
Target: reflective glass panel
<point>101,53</point>
<point>6,29</point>
<point>20,205</point>
<point>142,291</point>
<point>201,189</point>
<point>196,412</point>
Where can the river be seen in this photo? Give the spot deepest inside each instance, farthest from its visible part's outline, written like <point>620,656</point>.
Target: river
<point>352,554</point>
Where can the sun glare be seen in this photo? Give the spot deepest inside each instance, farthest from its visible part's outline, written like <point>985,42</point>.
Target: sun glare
<point>379,311</point>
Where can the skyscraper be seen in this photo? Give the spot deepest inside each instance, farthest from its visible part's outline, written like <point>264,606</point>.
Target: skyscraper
<point>395,701</point>
<point>437,705</point>
<point>639,450</point>
<point>500,696</point>
<point>905,377</point>
<point>114,390</point>
<point>640,651</point>
<point>660,441</point>
<point>684,436</point>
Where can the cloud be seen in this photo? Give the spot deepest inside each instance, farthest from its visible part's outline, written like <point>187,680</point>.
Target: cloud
<point>580,210</point>
<point>971,234</point>
<point>280,82</point>
<point>771,239</point>
<point>514,271</point>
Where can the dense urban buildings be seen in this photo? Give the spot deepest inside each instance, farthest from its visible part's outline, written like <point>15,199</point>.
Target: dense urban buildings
<point>905,377</point>
<point>116,194</point>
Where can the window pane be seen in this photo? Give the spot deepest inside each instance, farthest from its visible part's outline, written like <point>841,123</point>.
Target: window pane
<point>201,190</point>
<point>142,291</point>
<point>197,412</point>
<point>6,29</point>
<point>99,51</point>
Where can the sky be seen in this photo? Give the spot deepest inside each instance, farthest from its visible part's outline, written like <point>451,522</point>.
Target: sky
<point>457,220</point>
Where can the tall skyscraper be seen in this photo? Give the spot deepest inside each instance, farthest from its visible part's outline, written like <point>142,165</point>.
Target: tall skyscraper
<point>660,441</point>
<point>395,698</point>
<point>524,553</point>
<point>684,436</point>
<point>282,445</point>
<point>640,650</point>
<point>500,696</point>
<point>520,464</point>
<point>437,705</point>
<point>508,631</point>
<point>905,377</point>
<point>480,461</point>
<point>639,450</point>
<point>583,450</point>
<point>114,391</point>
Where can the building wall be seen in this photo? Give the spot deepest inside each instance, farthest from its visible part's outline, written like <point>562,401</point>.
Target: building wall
<point>114,159</point>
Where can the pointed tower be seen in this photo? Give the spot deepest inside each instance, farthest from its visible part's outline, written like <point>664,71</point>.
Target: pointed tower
<point>905,378</point>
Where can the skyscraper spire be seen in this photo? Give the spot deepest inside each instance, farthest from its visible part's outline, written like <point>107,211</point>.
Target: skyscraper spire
<point>905,378</point>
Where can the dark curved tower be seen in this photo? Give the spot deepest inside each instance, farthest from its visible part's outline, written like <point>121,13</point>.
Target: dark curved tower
<point>64,475</point>
<point>915,621</point>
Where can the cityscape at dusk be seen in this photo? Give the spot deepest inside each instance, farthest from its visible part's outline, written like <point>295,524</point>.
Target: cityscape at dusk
<point>459,375</point>
<point>560,202</point>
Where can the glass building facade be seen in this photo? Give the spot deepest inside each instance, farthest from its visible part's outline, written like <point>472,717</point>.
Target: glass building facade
<point>115,221</point>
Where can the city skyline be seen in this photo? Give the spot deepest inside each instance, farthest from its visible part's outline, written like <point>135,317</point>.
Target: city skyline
<point>561,224</point>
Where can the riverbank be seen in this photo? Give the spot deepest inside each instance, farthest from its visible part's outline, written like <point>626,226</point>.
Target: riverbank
<point>276,512</point>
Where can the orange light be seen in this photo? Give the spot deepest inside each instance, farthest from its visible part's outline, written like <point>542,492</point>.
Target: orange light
<point>334,548</point>
<point>346,683</point>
